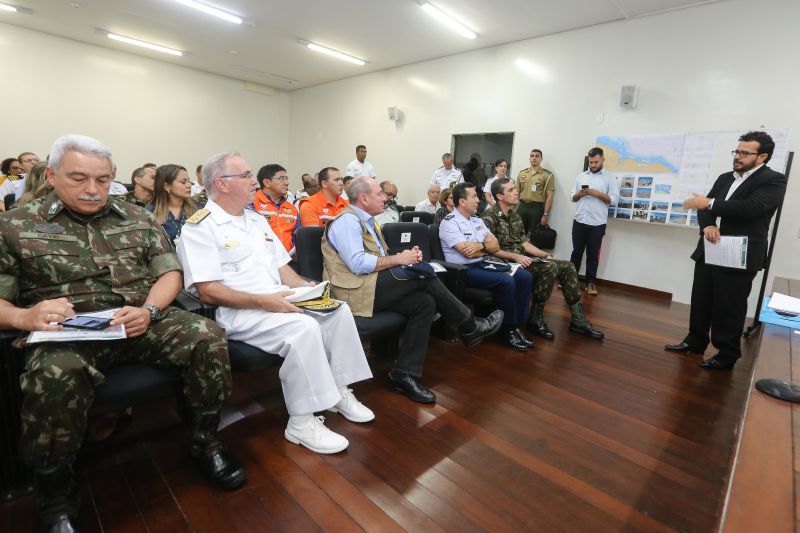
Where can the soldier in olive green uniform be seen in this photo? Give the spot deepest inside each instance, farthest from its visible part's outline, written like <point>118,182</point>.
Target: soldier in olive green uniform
<point>505,223</point>
<point>143,179</point>
<point>77,250</point>
<point>536,187</point>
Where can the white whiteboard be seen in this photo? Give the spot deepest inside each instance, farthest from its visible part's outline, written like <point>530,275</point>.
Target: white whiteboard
<point>656,173</point>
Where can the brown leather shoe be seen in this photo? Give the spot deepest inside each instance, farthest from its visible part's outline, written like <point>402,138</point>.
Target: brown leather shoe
<point>591,288</point>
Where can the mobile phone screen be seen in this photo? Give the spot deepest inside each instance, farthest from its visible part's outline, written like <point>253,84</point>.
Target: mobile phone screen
<point>86,322</point>
<point>584,186</point>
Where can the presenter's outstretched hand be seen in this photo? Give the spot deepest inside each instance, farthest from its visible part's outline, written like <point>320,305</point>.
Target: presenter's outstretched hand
<point>697,201</point>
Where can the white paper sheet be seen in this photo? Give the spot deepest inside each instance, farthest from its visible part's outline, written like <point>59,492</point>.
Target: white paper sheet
<point>784,304</point>
<point>730,251</point>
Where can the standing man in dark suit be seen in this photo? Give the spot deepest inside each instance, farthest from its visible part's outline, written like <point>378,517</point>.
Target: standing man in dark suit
<point>740,203</point>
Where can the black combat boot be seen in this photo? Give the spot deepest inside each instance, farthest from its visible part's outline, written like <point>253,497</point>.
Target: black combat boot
<point>579,324</point>
<point>218,466</point>
<point>536,322</point>
<point>57,499</point>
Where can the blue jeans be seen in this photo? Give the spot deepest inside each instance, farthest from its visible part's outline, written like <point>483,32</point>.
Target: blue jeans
<point>588,238</point>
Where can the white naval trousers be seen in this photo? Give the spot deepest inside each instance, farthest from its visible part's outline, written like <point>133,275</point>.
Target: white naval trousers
<point>322,352</point>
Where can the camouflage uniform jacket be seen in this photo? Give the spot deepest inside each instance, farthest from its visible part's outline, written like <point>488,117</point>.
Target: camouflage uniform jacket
<point>108,259</point>
<point>200,199</point>
<point>508,229</point>
<point>130,197</point>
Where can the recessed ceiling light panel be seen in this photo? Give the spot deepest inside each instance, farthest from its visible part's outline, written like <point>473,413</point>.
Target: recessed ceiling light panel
<point>211,10</point>
<point>333,53</point>
<point>6,7</point>
<point>144,44</point>
<point>448,20</point>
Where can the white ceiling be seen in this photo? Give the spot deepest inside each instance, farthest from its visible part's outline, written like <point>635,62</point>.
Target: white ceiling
<point>385,33</point>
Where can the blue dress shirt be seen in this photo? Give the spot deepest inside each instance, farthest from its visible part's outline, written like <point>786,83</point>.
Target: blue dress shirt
<point>344,234</point>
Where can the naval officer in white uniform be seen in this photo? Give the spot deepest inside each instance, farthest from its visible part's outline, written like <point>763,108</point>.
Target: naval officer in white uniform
<point>446,175</point>
<point>232,259</point>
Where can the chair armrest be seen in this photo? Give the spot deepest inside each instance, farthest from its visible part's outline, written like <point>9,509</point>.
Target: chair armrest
<point>455,277</point>
<point>193,304</point>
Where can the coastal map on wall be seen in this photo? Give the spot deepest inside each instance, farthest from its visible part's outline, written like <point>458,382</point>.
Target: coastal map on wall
<point>657,172</point>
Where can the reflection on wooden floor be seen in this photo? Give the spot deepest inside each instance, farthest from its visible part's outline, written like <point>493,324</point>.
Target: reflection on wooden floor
<point>575,435</point>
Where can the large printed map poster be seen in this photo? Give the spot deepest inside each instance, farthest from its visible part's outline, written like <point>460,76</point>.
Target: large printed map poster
<point>656,173</point>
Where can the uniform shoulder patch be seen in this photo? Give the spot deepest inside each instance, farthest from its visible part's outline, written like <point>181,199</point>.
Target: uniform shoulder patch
<point>198,217</point>
<point>449,217</point>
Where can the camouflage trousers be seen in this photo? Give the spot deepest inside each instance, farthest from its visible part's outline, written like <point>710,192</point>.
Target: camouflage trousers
<point>58,380</point>
<point>545,276</point>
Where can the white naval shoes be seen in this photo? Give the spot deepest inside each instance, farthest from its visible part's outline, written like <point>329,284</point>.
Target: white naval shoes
<point>310,431</point>
<point>350,408</point>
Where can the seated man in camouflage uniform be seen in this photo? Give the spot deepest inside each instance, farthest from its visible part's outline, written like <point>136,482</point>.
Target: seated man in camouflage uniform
<point>144,180</point>
<point>505,223</point>
<point>77,250</point>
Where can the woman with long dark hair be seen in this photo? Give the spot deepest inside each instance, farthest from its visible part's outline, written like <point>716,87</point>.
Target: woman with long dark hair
<point>172,204</point>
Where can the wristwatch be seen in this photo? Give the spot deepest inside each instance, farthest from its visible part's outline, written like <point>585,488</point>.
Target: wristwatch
<point>155,312</point>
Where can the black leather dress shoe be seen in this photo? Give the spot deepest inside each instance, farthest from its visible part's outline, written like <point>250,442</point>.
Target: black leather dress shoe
<point>62,524</point>
<point>483,328</point>
<point>524,339</point>
<point>513,340</point>
<point>717,364</point>
<point>681,347</point>
<point>220,468</point>
<point>586,329</point>
<point>541,329</point>
<point>405,384</point>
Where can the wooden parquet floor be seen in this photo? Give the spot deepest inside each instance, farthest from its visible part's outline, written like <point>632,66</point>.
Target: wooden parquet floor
<point>574,435</point>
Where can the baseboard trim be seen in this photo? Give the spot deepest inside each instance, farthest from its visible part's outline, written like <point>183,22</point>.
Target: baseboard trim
<point>644,291</point>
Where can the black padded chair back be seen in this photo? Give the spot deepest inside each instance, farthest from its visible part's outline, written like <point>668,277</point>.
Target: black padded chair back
<point>417,216</point>
<point>401,236</point>
<point>9,200</point>
<point>435,243</point>
<point>308,242</point>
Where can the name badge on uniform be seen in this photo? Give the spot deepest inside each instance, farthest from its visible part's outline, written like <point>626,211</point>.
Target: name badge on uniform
<point>231,244</point>
<point>51,229</point>
<point>534,187</point>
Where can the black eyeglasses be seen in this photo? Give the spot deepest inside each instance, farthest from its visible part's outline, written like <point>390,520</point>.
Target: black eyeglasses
<point>244,175</point>
<point>741,153</point>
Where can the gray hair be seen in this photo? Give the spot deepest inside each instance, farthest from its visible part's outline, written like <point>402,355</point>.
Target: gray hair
<point>72,142</point>
<point>447,157</point>
<point>213,168</point>
<point>434,186</point>
<point>360,185</point>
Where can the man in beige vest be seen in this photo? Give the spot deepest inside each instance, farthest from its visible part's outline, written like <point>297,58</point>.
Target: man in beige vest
<point>362,274</point>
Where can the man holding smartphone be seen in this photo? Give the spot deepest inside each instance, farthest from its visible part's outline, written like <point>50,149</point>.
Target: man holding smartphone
<point>594,191</point>
<point>77,250</point>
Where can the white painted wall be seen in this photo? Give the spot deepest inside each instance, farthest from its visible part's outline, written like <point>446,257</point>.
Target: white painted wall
<point>719,67</point>
<point>144,110</point>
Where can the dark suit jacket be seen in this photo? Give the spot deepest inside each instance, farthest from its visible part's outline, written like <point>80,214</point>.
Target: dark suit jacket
<point>747,212</point>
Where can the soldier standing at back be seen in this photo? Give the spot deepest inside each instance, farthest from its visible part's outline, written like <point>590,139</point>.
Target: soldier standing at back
<point>504,222</point>
<point>536,186</point>
<point>76,250</point>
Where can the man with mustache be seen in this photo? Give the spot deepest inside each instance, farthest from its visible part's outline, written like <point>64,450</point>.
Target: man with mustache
<point>234,260</point>
<point>77,250</point>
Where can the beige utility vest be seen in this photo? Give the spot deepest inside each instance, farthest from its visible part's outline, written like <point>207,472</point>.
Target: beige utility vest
<point>358,290</point>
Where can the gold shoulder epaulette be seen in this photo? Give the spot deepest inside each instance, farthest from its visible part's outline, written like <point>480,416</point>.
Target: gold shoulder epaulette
<point>198,216</point>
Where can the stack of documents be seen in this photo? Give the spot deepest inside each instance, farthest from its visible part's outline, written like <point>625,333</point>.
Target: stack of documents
<point>784,304</point>
<point>111,333</point>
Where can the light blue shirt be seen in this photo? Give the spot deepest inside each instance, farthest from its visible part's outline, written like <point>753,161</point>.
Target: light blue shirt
<point>454,229</point>
<point>591,210</point>
<point>344,234</point>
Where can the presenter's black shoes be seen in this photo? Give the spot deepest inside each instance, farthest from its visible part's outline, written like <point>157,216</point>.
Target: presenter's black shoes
<point>586,329</point>
<point>405,384</point>
<point>513,340</point>
<point>524,339</point>
<point>62,524</point>
<point>541,329</point>
<point>483,328</point>
<point>681,347</point>
<point>717,364</point>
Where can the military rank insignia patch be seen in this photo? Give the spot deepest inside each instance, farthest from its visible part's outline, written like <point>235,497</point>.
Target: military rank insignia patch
<point>198,217</point>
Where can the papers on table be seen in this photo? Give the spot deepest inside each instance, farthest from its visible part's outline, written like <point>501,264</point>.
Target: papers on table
<point>730,251</point>
<point>111,333</point>
<point>782,303</point>
<point>770,316</point>
<point>302,294</point>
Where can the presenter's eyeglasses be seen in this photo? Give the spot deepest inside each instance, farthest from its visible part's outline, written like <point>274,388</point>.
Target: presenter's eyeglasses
<point>740,153</point>
<point>244,175</point>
